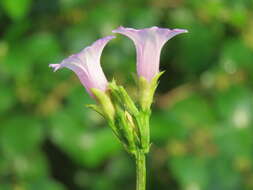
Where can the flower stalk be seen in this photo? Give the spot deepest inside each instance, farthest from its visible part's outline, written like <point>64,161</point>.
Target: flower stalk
<point>140,170</point>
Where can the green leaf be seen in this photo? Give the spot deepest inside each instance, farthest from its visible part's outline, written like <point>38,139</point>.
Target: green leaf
<point>21,135</point>
<point>44,184</point>
<point>16,9</point>
<point>88,148</point>
<point>7,98</point>
<point>235,106</point>
<point>190,171</point>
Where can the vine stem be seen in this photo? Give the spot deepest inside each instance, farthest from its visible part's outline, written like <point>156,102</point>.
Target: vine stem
<point>140,170</point>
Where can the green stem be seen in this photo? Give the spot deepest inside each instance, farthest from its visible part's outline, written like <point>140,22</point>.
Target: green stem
<point>140,171</point>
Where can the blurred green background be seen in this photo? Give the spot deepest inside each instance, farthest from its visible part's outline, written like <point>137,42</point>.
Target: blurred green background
<point>202,117</point>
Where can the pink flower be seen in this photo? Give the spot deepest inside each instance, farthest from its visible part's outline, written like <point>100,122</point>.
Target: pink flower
<point>148,43</point>
<point>86,65</point>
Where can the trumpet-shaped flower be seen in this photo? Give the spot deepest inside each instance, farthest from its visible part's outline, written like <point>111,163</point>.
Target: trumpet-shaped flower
<point>86,65</point>
<point>148,43</point>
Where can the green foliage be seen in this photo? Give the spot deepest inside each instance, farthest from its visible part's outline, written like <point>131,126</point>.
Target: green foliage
<point>201,124</point>
<point>16,9</point>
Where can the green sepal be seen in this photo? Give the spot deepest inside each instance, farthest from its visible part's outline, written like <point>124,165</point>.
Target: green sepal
<point>125,128</point>
<point>147,90</point>
<point>118,134</point>
<point>146,95</point>
<point>95,108</point>
<point>105,103</point>
<point>143,124</point>
<point>121,97</point>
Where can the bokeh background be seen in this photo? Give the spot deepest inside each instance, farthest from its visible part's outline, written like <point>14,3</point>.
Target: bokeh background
<point>202,117</point>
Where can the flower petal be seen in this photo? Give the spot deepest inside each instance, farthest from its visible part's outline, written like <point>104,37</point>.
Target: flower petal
<point>148,43</point>
<point>55,66</point>
<point>86,65</point>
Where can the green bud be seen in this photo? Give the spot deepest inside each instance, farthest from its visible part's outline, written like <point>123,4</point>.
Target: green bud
<point>126,129</point>
<point>121,97</point>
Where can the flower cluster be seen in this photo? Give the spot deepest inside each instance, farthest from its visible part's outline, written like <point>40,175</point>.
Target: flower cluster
<point>129,120</point>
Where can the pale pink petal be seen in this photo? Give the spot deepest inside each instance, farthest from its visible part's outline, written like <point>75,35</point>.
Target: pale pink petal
<point>86,65</point>
<point>148,43</point>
